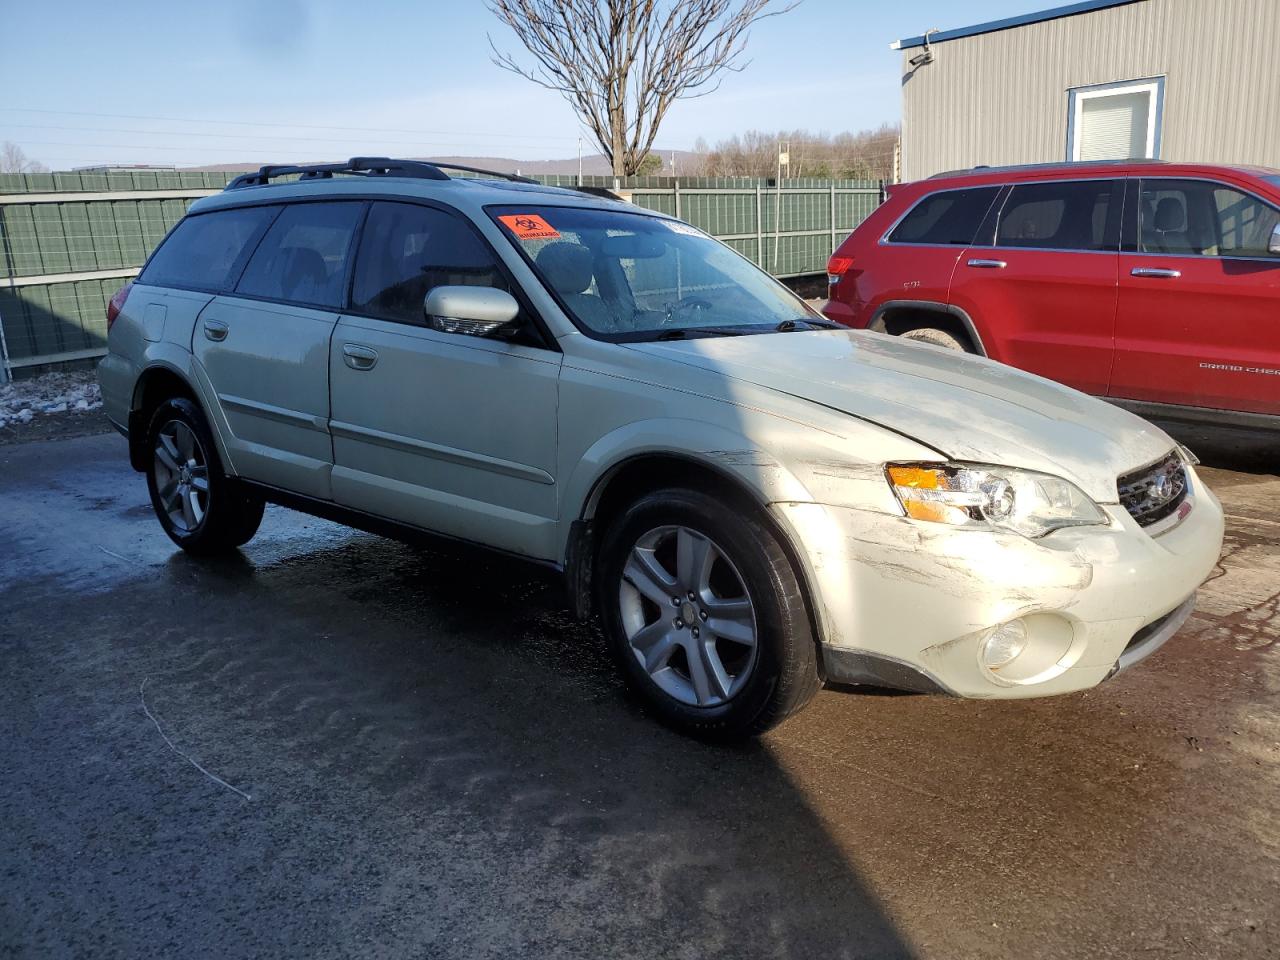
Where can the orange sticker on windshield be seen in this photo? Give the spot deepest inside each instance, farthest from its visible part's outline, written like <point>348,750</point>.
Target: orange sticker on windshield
<point>529,226</point>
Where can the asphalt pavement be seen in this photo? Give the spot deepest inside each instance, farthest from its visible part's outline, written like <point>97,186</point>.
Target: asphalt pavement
<point>334,745</point>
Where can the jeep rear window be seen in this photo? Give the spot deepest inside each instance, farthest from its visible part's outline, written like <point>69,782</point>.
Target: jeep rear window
<point>202,250</point>
<point>1062,215</point>
<point>946,217</point>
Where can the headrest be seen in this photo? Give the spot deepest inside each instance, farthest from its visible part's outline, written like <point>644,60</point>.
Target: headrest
<point>1170,214</point>
<point>304,272</point>
<point>567,266</point>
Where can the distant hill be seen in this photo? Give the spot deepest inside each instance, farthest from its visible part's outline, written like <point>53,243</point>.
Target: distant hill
<point>592,165</point>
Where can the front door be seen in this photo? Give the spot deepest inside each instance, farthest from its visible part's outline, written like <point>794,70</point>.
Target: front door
<point>1044,295</point>
<point>450,433</point>
<point>265,347</point>
<point>1199,317</point>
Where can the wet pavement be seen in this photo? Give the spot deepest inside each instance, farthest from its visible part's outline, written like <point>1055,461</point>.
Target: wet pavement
<point>419,754</point>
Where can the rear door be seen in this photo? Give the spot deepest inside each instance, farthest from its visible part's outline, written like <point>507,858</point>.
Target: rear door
<point>265,347</point>
<point>452,433</point>
<point>1043,293</point>
<point>1199,317</point>
<point>918,255</point>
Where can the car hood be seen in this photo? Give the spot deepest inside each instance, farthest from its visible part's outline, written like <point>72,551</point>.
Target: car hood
<point>967,408</point>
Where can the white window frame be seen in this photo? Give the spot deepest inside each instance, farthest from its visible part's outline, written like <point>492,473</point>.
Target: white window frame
<point>1152,86</point>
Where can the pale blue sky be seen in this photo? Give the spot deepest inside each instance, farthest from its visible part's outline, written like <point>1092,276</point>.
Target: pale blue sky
<point>194,83</point>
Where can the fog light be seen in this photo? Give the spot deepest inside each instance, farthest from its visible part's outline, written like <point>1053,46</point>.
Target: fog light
<point>1006,642</point>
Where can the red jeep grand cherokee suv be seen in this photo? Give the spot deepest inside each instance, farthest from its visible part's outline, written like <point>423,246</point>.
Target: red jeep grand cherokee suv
<point>1154,284</point>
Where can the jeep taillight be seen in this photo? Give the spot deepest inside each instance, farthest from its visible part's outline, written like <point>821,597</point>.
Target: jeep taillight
<point>117,304</point>
<point>837,267</point>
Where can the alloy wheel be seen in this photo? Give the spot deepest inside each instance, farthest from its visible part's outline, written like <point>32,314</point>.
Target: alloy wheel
<point>687,616</point>
<point>182,476</point>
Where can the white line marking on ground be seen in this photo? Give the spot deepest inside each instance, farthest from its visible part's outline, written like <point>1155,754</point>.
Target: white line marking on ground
<point>1269,523</point>
<point>143,697</point>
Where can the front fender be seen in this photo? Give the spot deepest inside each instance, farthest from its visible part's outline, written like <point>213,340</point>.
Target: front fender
<point>773,459</point>
<point>725,451</point>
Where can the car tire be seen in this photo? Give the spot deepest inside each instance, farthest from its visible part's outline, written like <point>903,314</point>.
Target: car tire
<point>200,508</point>
<point>655,605</point>
<point>939,338</point>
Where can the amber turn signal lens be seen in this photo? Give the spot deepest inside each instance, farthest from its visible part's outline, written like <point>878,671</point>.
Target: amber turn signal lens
<point>916,477</point>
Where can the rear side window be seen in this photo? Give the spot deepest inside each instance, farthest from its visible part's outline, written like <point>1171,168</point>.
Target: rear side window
<point>1062,215</point>
<point>407,250</point>
<point>1196,218</point>
<point>303,258</point>
<point>950,217</point>
<point>202,250</point>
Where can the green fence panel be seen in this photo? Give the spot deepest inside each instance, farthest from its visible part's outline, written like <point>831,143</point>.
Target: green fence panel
<point>46,320</point>
<point>49,238</point>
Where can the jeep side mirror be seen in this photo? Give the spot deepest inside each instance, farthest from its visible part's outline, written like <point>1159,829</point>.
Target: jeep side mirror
<point>469,311</point>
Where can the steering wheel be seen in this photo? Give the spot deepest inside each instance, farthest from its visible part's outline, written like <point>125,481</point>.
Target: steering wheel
<point>685,303</point>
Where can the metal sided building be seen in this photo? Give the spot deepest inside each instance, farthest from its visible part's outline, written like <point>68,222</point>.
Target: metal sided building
<point>1188,80</point>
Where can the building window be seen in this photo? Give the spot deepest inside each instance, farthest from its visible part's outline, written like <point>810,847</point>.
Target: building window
<point>1115,121</point>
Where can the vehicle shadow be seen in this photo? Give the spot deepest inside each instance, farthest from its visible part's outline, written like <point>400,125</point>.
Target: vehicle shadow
<point>440,762</point>
<point>1228,448</point>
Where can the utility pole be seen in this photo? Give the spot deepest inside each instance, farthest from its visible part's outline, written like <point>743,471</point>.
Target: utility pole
<point>673,163</point>
<point>579,159</point>
<point>784,156</point>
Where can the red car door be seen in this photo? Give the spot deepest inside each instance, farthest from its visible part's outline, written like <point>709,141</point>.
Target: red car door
<point>914,260</point>
<point>1199,311</point>
<point>1043,296</point>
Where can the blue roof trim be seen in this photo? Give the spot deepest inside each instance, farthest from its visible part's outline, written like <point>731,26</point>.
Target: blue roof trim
<point>1070,10</point>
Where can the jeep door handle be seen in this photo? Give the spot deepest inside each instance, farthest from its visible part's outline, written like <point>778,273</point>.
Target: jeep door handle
<point>215,330</point>
<point>988,264</point>
<point>359,357</point>
<point>1159,273</point>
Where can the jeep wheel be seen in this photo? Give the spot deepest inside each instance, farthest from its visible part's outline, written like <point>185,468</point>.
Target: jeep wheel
<point>939,338</point>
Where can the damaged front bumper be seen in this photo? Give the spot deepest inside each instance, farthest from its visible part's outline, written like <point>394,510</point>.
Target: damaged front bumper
<point>909,604</point>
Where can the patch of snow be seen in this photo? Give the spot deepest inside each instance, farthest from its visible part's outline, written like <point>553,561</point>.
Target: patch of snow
<point>52,393</point>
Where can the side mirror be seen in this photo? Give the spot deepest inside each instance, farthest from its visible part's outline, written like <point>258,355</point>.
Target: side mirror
<point>1273,247</point>
<point>470,311</point>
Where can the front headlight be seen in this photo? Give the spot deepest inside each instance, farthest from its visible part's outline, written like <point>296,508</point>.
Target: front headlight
<point>1001,498</point>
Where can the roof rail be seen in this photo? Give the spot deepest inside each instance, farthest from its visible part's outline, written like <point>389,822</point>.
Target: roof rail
<point>363,167</point>
<point>1049,165</point>
<point>513,177</point>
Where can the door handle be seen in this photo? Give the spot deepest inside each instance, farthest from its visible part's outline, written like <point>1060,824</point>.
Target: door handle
<point>988,264</point>
<point>1156,272</point>
<point>359,357</point>
<point>215,330</point>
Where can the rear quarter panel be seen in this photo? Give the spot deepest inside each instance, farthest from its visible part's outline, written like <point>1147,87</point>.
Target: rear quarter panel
<point>153,327</point>
<point>883,272</point>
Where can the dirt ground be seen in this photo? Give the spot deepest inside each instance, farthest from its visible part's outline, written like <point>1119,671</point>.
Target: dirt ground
<point>408,753</point>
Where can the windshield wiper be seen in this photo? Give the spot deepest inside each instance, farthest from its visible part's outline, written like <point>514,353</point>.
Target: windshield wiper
<point>806,323</point>
<point>682,333</point>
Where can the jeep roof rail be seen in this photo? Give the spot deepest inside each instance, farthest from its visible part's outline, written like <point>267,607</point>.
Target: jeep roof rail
<point>364,167</point>
<point>1051,165</point>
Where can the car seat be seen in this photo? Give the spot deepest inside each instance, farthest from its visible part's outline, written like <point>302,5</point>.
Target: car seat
<point>304,277</point>
<point>568,267</point>
<point>1168,233</point>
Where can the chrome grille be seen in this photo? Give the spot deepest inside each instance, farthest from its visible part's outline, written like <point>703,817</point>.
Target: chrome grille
<point>1155,491</point>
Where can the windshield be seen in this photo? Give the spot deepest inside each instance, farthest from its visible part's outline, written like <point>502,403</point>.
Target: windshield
<point>629,276</point>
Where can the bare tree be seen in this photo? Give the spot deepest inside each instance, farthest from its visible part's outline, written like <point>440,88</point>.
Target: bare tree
<point>866,155</point>
<point>621,64</point>
<point>13,159</point>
